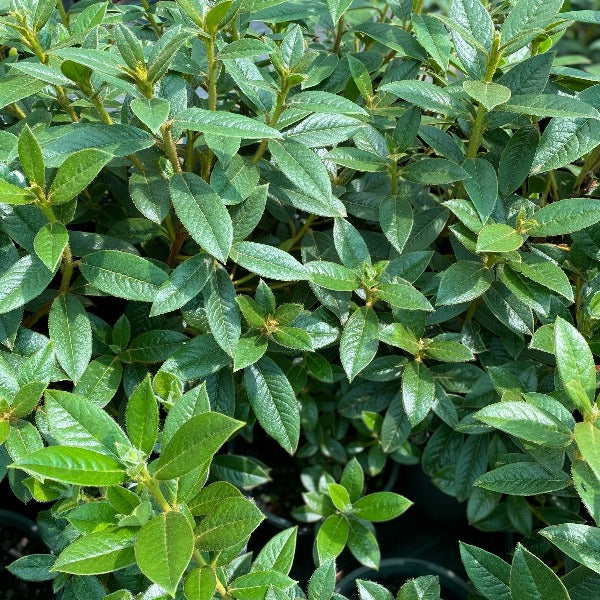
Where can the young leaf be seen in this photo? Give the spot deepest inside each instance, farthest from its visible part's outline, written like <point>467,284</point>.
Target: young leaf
<point>141,417</point>
<point>49,244</point>
<point>490,94</point>
<point>331,537</point>
<point>498,238</point>
<point>381,506</point>
<point>575,363</point>
<point>30,156</point>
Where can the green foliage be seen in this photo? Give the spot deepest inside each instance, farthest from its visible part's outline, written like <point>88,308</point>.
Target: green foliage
<point>368,231</point>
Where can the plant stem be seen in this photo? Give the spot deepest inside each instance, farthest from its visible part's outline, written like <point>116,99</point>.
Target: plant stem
<point>273,120</point>
<point>211,79</point>
<point>394,177</point>
<point>64,17</point>
<point>339,32</point>
<point>289,244</point>
<point>18,112</point>
<point>591,163</point>
<point>178,242</point>
<point>478,125</point>
<point>155,491</point>
<point>150,17</point>
<point>170,147</point>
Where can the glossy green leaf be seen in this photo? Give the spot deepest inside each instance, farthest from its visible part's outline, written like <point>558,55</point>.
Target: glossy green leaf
<point>274,402</point>
<point>203,214</point>
<point>194,444</point>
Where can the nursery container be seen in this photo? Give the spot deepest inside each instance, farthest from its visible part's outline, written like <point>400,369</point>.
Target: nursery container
<point>393,572</point>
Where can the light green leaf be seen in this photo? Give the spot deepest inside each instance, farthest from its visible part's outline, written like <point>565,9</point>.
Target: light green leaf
<point>333,276</point>
<point>527,422</point>
<point>231,522</point>
<point>99,552</point>
<point>78,466</point>
<point>331,537</point>
<point>587,436</point>
<point>13,194</point>
<point>30,156</point>
<point>49,244</point>
<point>194,444</point>
<point>565,216</point>
<point>151,112</point>
<point>141,416</point>
<point>488,94</point>
<point>575,363</point>
<point>498,238</point>
<point>163,549</point>
<point>381,506</point>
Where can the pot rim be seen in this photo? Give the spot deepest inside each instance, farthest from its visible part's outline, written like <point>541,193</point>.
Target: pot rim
<point>406,565</point>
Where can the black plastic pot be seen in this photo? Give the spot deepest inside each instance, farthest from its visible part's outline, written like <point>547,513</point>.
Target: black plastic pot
<point>13,528</point>
<point>394,571</point>
<point>309,529</point>
<point>429,500</point>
